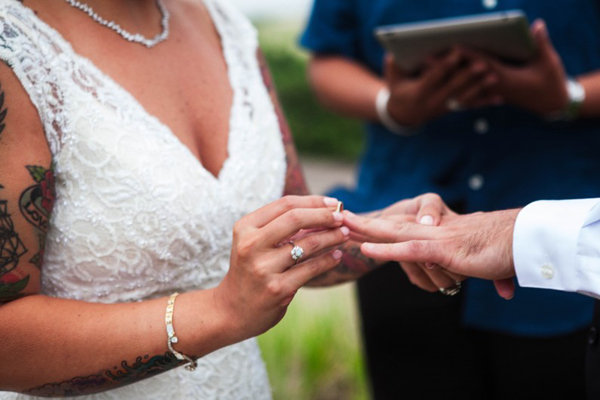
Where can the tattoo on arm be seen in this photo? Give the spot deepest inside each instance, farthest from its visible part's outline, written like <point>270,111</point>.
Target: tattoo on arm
<point>354,261</point>
<point>354,265</point>
<point>143,367</point>
<point>11,250</point>
<point>35,204</point>
<point>294,180</point>
<point>12,282</point>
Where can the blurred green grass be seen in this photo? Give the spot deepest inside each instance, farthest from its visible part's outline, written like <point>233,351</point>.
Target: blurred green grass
<point>314,352</point>
<point>317,132</point>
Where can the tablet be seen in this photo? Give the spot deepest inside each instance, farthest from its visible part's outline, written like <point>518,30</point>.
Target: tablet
<point>504,34</point>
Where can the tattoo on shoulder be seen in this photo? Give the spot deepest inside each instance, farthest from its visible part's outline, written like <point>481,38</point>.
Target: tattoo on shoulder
<point>143,367</point>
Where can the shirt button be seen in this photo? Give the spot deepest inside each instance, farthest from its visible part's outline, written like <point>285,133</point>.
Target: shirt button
<point>489,4</point>
<point>547,271</point>
<point>476,182</point>
<point>592,336</point>
<point>481,126</point>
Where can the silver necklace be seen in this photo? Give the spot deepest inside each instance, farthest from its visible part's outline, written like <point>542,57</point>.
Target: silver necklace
<point>132,37</point>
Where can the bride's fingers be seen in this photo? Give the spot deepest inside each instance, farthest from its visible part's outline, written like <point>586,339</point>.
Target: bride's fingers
<point>292,221</point>
<point>305,232</point>
<point>303,273</point>
<point>268,213</point>
<point>311,245</point>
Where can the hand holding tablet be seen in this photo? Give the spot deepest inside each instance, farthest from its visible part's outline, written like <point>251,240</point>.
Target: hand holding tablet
<point>519,64</point>
<point>505,35</point>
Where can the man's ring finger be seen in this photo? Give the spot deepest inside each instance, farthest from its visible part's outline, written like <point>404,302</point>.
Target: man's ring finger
<point>297,252</point>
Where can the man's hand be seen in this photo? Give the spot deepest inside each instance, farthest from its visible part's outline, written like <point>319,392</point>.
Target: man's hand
<point>474,245</point>
<point>427,209</point>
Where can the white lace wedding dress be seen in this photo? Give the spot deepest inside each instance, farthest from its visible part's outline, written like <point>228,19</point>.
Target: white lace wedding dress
<point>137,216</point>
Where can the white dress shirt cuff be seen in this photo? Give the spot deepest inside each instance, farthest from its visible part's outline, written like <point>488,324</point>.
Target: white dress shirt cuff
<point>546,246</point>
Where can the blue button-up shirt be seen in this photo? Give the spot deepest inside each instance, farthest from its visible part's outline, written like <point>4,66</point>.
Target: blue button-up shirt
<point>484,159</point>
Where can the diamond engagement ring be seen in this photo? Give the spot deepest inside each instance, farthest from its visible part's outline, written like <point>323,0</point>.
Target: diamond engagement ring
<point>452,290</point>
<point>297,252</point>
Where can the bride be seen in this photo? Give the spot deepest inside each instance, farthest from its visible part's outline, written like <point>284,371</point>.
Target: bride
<point>133,135</point>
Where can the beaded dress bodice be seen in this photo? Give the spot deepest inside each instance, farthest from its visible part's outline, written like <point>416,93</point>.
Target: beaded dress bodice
<point>136,215</point>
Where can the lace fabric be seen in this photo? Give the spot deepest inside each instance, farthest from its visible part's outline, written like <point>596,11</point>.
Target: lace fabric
<point>136,214</point>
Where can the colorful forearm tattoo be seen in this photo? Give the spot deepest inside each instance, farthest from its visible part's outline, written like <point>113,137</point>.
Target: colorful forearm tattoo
<point>124,374</point>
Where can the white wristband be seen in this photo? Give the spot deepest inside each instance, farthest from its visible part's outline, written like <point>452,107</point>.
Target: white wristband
<point>381,104</point>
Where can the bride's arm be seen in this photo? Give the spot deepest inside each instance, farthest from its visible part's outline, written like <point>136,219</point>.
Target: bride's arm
<point>295,184</point>
<point>57,347</point>
<point>354,264</point>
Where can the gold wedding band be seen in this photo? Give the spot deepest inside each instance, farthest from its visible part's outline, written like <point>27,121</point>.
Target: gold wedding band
<point>340,207</point>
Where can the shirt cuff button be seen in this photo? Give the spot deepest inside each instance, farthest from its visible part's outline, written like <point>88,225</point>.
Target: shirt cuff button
<point>547,271</point>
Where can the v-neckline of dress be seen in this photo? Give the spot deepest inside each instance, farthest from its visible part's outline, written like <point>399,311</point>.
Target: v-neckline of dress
<point>112,84</point>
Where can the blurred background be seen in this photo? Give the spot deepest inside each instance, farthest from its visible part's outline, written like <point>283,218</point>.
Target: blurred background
<point>314,353</point>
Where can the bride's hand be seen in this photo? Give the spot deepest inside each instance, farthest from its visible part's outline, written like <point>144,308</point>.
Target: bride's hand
<point>263,278</point>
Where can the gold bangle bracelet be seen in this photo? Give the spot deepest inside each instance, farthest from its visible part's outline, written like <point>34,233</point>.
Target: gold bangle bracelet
<point>172,339</point>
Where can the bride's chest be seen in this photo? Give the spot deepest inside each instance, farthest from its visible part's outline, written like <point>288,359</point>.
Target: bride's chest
<point>116,151</point>
<point>136,209</point>
<point>189,92</point>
